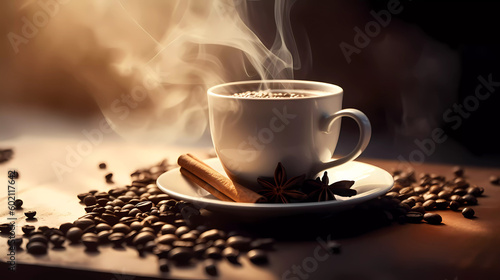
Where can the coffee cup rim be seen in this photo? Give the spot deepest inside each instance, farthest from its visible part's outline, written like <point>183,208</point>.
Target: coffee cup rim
<point>322,87</point>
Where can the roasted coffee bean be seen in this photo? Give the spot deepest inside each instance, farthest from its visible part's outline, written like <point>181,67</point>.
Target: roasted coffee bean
<point>150,246</point>
<point>148,229</point>
<point>110,218</point>
<point>117,238</point>
<point>469,199</point>
<point>180,222</point>
<point>123,228</point>
<point>230,254</point>
<point>199,250</point>
<point>134,212</point>
<point>454,205</point>
<point>74,234</point>
<point>167,239</point>
<point>210,267</point>
<point>90,200</point>
<point>136,226</point>
<point>81,196</point>
<point>18,203</point>
<point>189,237</point>
<point>420,190</point>
<point>417,208</point>
<point>57,240</point>
<point>444,194</point>
<point>404,206</point>
<point>27,229</point>
<point>5,228</point>
<point>433,218</point>
<point>212,234</point>
<point>460,192</point>
<point>143,237</point>
<point>180,255</point>
<point>102,165</point>
<point>182,230</point>
<point>30,214</point>
<point>430,196</point>
<point>103,236</point>
<point>168,218</point>
<point>414,217</point>
<point>90,241</point>
<point>392,194</point>
<point>38,237</point>
<point>333,247</point>
<point>475,191</point>
<point>458,171</point>
<point>90,208</point>
<point>257,256</point>
<point>495,180</point>
<point>435,189</point>
<point>180,243</point>
<point>441,204</point>
<point>37,248</point>
<point>102,201</point>
<point>220,243</point>
<point>109,178</point>
<point>455,197</point>
<point>409,202</point>
<point>429,204</point>
<point>239,242</point>
<point>102,226</point>
<point>461,183</point>
<point>84,223</point>
<point>468,212</point>
<point>15,242</point>
<point>163,264</point>
<point>213,253</point>
<point>406,191</point>
<point>144,206</point>
<point>162,250</point>
<point>129,237</point>
<point>263,243</point>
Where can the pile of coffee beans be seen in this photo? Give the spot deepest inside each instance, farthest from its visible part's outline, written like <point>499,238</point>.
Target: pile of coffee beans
<point>141,216</point>
<point>412,199</point>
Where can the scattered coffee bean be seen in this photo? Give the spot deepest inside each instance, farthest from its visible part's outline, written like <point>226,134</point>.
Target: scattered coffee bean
<point>442,204</point>
<point>458,171</point>
<point>30,214</point>
<point>27,229</point>
<point>454,205</point>
<point>109,178</point>
<point>18,203</point>
<point>210,267</point>
<point>90,241</point>
<point>57,240</point>
<point>180,255</point>
<point>414,217</point>
<point>495,180</point>
<point>213,253</point>
<point>90,200</point>
<point>102,165</point>
<point>468,212</point>
<point>433,218</point>
<point>15,243</point>
<point>163,264</point>
<point>469,199</point>
<point>74,234</point>
<point>257,256</point>
<point>38,237</point>
<point>239,242</point>
<point>37,248</point>
<point>230,254</point>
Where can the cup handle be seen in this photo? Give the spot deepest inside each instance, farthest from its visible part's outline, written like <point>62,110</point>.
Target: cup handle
<point>365,131</point>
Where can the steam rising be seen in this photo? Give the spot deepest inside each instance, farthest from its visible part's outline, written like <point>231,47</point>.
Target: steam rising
<point>148,64</point>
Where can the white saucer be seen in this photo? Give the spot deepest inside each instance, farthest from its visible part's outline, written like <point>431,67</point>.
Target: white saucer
<point>370,182</point>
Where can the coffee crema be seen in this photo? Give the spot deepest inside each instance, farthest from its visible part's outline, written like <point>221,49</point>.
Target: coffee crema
<point>269,94</point>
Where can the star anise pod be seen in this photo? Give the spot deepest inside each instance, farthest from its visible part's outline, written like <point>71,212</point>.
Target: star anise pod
<point>322,190</point>
<point>282,189</point>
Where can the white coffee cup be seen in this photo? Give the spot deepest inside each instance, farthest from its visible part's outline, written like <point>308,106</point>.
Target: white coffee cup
<point>251,135</point>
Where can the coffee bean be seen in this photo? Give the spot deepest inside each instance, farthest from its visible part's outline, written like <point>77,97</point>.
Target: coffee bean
<point>109,178</point>
<point>18,203</point>
<point>81,196</point>
<point>220,243</point>
<point>90,241</point>
<point>27,229</point>
<point>148,229</point>
<point>430,196</point>
<point>433,218</point>
<point>444,194</point>
<point>455,197</point>
<point>123,228</point>
<point>144,206</point>
<point>468,212</point>
<point>495,180</point>
<point>239,242</point>
<point>37,248</point>
<point>417,208</point>
<point>257,256</point>
<point>84,223</point>
<point>429,204</point>
<point>102,226</point>
<point>460,192</point>
<point>213,253</point>
<point>409,202</point>
<point>89,200</point>
<point>57,240</point>
<point>129,237</point>
<point>117,238</point>
<point>167,239</point>
<point>180,222</point>
<point>189,237</point>
<point>182,230</point>
<point>180,255</point>
<point>110,218</point>
<point>231,254</point>
<point>212,234</point>
<point>333,247</point>
<point>103,236</point>
<point>163,264</point>
<point>162,250</point>
<point>441,204</point>
<point>102,165</point>
<point>15,242</point>
<point>102,201</point>
<point>30,214</point>
<point>461,183</point>
<point>454,205</point>
<point>180,243</point>
<point>199,250</point>
<point>475,191</point>
<point>469,199</point>
<point>143,237</point>
<point>74,234</point>
<point>414,217</point>
<point>38,237</point>
<point>210,267</point>
<point>458,171</point>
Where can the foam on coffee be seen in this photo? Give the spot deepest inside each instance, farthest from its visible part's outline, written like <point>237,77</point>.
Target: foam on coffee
<point>271,94</point>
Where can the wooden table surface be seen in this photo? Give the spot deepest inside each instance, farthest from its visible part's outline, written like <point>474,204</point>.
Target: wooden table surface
<point>458,249</point>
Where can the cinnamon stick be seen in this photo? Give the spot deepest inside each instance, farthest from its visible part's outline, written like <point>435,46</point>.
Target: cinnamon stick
<point>224,185</point>
<point>191,177</point>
